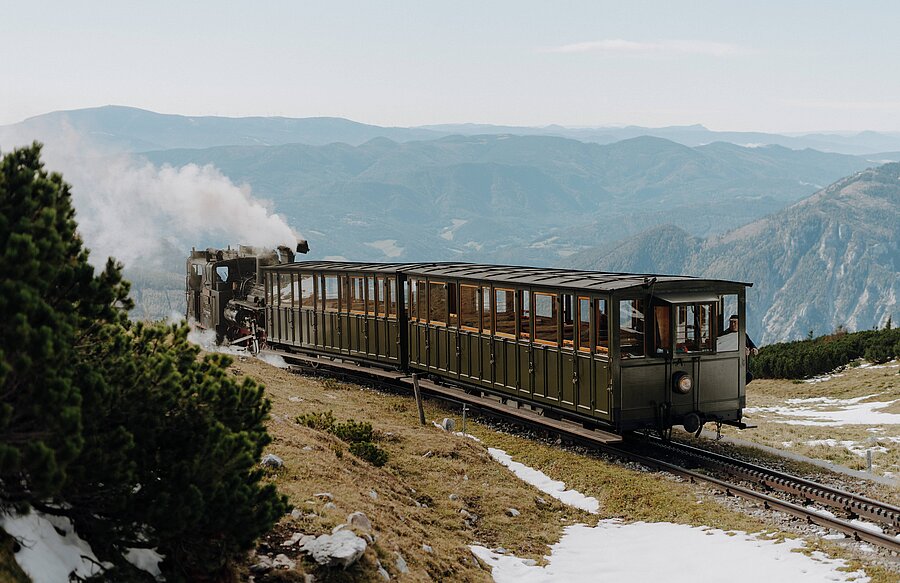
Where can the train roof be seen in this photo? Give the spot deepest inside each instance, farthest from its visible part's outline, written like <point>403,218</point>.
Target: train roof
<point>540,276</point>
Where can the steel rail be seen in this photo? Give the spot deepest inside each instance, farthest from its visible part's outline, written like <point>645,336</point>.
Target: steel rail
<point>575,432</point>
<point>854,504</point>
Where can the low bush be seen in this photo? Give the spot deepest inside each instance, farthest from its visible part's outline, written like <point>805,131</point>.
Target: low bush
<point>353,431</point>
<point>370,452</point>
<point>804,358</point>
<point>359,434</point>
<point>321,421</point>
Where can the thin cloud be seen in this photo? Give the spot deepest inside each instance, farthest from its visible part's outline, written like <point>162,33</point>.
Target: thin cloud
<point>617,46</point>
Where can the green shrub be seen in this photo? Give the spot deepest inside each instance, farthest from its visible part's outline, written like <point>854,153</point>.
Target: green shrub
<point>820,355</point>
<point>370,452</point>
<point>323,421</point>
<point>353,431</point>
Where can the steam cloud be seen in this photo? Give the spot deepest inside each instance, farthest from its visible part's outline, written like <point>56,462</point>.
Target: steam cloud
<point>139,213</point>
<point>128,209</point>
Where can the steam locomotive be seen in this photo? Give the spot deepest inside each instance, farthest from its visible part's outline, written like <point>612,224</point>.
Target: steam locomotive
<point>613,350</point>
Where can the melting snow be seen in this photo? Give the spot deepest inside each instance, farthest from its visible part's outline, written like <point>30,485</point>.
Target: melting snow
<point>387,246</point>
<point>852,446</point>
<point>662,551</point>
<point>545,483</point>
<point>449,232</point>
<point>826,411</point>
<point>46,555</point>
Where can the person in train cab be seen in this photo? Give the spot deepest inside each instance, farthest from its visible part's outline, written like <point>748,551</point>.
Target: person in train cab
<point>728,340</point>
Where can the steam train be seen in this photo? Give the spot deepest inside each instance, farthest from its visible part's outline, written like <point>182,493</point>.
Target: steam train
<point>617,351</point>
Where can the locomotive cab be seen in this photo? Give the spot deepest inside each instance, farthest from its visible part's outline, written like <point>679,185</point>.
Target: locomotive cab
<point>678,362</point>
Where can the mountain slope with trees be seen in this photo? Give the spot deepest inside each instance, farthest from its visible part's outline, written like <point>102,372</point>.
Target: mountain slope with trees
<point>513,198</point>
<point>831,260</point>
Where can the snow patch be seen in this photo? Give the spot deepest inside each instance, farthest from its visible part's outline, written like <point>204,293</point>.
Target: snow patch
<point>147,560</point>
<point>46,555</point>
<point>387,246</point>
<point>545,483</point>
<point>829,412</point>
<point>614,551</point>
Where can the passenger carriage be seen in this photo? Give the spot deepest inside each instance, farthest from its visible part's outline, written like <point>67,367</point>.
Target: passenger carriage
<point>617,350</point>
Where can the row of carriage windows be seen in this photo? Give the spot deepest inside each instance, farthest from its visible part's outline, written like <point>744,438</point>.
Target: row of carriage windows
<point>374,296</point>
<point>541,317</point>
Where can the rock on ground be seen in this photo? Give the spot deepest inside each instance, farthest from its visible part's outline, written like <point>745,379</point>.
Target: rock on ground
<point>340,549</point>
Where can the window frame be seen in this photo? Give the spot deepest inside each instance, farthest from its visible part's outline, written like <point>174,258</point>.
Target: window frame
<point>554,315</point>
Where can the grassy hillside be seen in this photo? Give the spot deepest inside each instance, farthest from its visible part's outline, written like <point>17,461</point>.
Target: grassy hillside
<point>431,476</point>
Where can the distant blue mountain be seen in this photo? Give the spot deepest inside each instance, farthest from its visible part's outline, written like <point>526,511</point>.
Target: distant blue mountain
<point>138,130</point>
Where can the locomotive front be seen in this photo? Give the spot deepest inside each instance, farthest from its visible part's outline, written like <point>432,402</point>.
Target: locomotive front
<point>679,361</point>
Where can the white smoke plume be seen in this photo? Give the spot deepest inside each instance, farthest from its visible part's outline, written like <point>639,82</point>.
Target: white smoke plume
<point>129,209</point>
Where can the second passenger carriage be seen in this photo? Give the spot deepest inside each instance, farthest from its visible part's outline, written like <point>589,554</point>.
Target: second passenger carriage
<point>622,351</point>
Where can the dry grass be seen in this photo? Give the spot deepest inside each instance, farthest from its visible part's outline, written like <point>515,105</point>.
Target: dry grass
<point>9,569</point>
<point>427,466</point>
<point>879,384</point>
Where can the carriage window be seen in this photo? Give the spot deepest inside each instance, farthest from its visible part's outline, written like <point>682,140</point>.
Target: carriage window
<point>525,315</point>
<point>468,307</point>
<point>413,296</point>
<point>545,319</point>
<point>357,296</point>
<point>505,312</point>
<point>568,320</point>
<point>693,323</point>
<point>437,303</point>
<point>222,272</point>
<point>584,324</point>
<point>391,294</point>
<point>728,307</point>
<point>601,326</point>
<point>663,318</point>
<point>379,290</point>
<point>331,293</point>
<point>631,328</point>
<point>307,291</point>
<point>345,294</point>
<point>320,293</point>
<point>486,310</point>
<point>452,304</point>
<point>370,295</point>
<point>423,301</point>
<point>287,296</point>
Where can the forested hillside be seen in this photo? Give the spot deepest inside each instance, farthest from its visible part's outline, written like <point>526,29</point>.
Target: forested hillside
<point>830,260</point>
<point>512,198</point>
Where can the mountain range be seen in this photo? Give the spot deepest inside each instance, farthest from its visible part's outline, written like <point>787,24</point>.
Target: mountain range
<point>830,260</point>
<point>747,206</point>
<point>138,130</point>
<point>503,198</point>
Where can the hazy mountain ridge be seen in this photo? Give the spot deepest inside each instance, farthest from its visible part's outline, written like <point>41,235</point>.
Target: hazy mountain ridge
<point>506,194</point>
<point>137,130</point>
<point>832,259</point>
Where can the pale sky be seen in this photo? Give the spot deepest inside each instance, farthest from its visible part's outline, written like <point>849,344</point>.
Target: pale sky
<point>765,65</point>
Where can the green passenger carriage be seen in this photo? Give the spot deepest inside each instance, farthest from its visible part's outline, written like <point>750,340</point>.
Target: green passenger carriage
<point>621,351</point>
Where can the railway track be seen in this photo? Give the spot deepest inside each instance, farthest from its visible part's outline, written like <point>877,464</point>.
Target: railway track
<point>853,504</point>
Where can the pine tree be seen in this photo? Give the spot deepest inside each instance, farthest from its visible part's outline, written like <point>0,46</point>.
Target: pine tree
<point>48,296</point>
<point>120,426</point>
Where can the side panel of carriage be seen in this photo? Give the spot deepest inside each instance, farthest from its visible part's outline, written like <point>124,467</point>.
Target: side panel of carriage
<point>335,312</point>
<point>540,346</point>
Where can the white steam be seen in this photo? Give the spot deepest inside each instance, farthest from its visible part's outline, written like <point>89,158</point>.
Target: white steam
<point>129,209</point>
